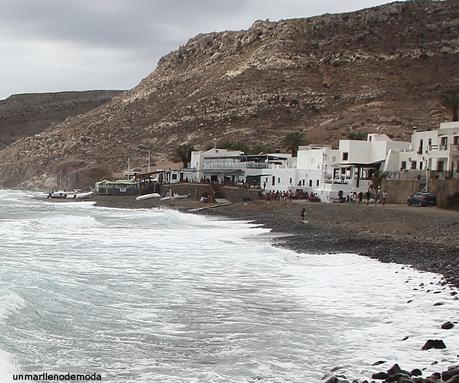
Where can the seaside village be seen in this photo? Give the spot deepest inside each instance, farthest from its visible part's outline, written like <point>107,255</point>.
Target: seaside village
<point>375,170</point>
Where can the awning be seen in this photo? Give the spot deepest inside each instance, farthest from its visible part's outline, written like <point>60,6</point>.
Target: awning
<point>347,164</point>
<point>223,171</point>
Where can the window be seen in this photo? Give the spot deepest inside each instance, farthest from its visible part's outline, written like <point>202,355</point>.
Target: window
<point>290,181</point>
<point>420,165</point>
<point>440,165</point>
<point>345,156</point>
<point>274,181</point>
<point>174,176</point>
<point>303,182</point>
<point>317,183</point>
<point>456,140</point>
<point>278,180</point>
<point>403,167</point>
<point>444,142</point>
<point>310,183</point>
<point>413,165</point>
<point>421,146</point>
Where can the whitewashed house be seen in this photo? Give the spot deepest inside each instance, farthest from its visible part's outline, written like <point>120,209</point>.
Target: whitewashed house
<point>231,166</point>
<point>305,173</point>
<point>432,150</point>
<point>326,171</point>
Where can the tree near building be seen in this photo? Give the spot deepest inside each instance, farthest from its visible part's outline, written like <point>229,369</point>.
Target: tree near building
<point>293,140</point>
<point>450,103</point>
<point>182,153</point>
<point>377,179</point>
<point>357,135</point>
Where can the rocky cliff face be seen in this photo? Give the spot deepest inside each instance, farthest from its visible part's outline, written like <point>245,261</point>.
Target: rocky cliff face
<point>23,115</point>
<point>376,70</point>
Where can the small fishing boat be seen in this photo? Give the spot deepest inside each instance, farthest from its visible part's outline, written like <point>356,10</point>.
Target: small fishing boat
<point>59,194</point>
<point>84,195</point>
<point>148,196</point>
<point>175,196</point>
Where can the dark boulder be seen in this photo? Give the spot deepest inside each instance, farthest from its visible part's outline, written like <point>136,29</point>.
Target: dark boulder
<point>445,375</point>
<point>447,326</point>
<point>395,369</point>
<point>380,375</point>
<point>398,377</point>
<point>416,372</point>
<point>434,343</point>
<point>435,376</point>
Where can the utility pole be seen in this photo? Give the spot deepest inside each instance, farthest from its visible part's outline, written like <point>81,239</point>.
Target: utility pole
<point>149,160</point>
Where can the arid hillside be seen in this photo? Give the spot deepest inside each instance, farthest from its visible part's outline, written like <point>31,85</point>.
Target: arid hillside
<point>376,70</point>
<point>23,115</point>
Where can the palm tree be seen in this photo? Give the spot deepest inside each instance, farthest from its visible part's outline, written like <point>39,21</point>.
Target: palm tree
<point>377,179</point>
<point>293,140</point>
<point>182,153</point>
<point>450,102</point>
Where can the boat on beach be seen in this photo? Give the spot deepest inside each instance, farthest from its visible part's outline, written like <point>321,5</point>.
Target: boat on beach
<point>84,195</point>
<point>174,196</point>
<point>148,196</point>
<point>60,194</point>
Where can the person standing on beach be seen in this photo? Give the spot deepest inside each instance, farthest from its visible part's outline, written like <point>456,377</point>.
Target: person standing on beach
<point>368,196</point>
<point>303,213</point>
<point>377,195</point>
<point>384,197</point>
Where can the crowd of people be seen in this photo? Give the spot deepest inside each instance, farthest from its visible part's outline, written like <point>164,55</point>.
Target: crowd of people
<point>361,197</point>
<point>288,196</point>
<point>351,197</point>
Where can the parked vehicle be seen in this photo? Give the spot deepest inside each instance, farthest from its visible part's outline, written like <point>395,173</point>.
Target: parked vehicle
<point>422,199</point>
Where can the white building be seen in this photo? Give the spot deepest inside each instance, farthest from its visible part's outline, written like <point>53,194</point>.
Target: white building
<point>432,150</point>
<point>307,172</point>
<point>325,171</point>
<point>232,166</point>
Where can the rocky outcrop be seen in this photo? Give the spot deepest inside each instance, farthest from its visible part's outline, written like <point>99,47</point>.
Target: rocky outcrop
<point>378,70</point>
<point>396,374</point>
<point>23,115</point>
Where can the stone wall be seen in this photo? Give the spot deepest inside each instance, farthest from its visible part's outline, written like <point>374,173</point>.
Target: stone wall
<point>399,190</point>
<point>447,192</point>
<point>233,194</point>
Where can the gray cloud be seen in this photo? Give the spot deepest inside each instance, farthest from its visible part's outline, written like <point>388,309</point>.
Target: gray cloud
<point>50,45</point>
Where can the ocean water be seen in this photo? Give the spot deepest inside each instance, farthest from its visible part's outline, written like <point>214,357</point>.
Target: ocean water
<point>160,296</point>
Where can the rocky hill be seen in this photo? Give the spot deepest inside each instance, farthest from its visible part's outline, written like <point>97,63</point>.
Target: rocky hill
<point>23,115</point>
<point>378,70</point>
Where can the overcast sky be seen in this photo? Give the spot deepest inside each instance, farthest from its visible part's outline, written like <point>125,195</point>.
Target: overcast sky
<point>53,45</point>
